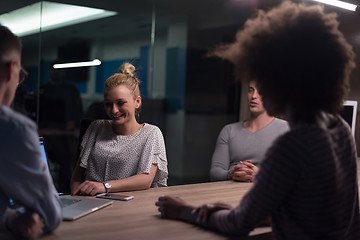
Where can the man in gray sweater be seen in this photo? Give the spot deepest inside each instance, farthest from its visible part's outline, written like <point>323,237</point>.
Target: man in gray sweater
<point>242,145</point>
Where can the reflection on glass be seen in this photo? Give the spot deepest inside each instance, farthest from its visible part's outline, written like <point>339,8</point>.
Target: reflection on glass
<point>26,20</point>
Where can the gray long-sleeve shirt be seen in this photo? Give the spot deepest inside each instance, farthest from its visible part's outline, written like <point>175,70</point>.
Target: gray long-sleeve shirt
<point>235,144</point>
<point>23,176</point>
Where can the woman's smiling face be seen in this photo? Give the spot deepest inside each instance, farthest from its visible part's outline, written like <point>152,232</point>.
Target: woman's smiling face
<point>120,104</point>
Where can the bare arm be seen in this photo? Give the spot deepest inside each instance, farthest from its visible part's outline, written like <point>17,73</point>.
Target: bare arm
<point>137,182</point>
<point>77,177</point>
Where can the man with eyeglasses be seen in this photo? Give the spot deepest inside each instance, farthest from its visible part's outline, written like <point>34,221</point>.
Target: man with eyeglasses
<point>23,177</point>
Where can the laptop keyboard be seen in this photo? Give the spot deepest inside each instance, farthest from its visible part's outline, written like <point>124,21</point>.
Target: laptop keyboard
<point>67,202</point>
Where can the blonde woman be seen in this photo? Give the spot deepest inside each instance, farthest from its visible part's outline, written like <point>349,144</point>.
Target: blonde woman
<point>120,154</point>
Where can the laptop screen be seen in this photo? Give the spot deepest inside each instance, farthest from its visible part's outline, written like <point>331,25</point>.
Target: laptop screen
<point>44,159</point>
<point>348,113</point>
<point>43,153</point>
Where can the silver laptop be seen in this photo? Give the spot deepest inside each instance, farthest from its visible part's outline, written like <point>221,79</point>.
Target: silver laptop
<point>75,207</point>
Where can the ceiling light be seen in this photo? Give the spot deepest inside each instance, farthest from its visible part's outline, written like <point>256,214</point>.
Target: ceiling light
<point>341,4</point>
<point>94,62</point>
<point>30,19</point>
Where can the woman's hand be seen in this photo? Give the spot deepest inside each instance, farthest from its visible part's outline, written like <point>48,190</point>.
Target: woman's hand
<point>170,207</point>
<point>89,188</point>
<point>206,210</point>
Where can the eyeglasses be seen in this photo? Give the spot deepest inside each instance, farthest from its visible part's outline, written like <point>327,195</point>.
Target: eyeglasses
<point>23,75</point>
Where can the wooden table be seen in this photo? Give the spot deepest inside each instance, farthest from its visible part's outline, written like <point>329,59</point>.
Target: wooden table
<point>139,218</point>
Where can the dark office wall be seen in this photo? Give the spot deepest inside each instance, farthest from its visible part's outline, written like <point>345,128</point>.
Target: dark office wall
<point>212,100</point>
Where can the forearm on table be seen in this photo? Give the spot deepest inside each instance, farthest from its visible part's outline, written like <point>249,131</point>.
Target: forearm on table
<point>218,220</point>
<point>218,173</point>
<point>133,183</point>
<point>220,162</point>
<point>137,182</point>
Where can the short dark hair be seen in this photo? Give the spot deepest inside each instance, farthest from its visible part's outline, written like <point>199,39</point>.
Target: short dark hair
<point>8,42</point>
<point>297,55</point>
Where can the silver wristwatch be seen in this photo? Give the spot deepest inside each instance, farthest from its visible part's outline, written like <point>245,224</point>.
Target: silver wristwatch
<point>107,187</point>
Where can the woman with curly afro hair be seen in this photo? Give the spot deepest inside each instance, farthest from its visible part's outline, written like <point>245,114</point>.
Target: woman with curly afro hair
<point>307,182</point>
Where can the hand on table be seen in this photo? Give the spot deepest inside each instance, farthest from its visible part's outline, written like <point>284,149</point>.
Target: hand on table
<point>170,207</point>
<point>243,171</point>
<point>27,225</point>
<point>89,188</point>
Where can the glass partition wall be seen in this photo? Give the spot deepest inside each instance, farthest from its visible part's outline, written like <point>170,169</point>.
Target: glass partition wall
<point>189,96</point>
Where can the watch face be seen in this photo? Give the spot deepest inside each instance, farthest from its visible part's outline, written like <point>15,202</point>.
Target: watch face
<point>107,185</point>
